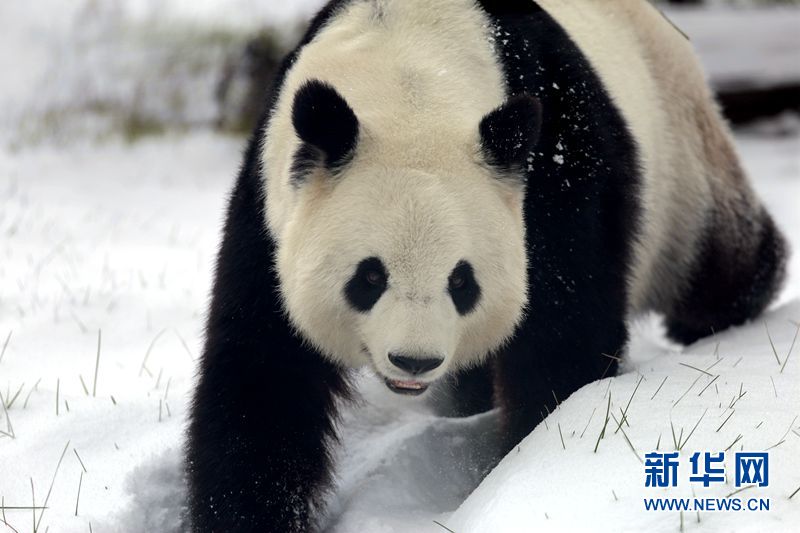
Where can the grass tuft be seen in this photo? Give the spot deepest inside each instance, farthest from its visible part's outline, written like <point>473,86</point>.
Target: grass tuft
<point>443,526</point>
<point>605,424</point>
<point>52,482</point>
<point>630,444</point>
<point>709,384</point>
<point>732,444</point>
<point>5,345</point>
<point>625,412</point>
<point>674,439</point>
<point>186,345</point>
<point>725,421</point>
<point>97,362</point>
<point>28,397</point>
<point>589,422</point>
<point>83,384</point>
<point>10,401</point>
<point>697,369</point>
<point>9,428</point>
<point>33,505</point>
<point>659,388</point>
<point>772,344</point>
<point>80,460</point>
<point>797,331</point>
<point>143,367</point>
<point>689,436</point>
<point>78,498</point>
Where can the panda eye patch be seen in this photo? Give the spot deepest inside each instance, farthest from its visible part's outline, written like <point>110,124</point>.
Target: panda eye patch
<point>367,284</point>
<point>463,288</point>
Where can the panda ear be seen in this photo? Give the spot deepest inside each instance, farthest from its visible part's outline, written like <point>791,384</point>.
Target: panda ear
<point>326,124</point>
<point>510,132</point>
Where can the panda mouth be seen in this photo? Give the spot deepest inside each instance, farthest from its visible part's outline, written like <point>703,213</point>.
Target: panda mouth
<point>409,388</point>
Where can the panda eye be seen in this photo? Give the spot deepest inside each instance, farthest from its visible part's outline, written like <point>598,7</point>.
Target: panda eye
<point>457,281</point>
<point>367,285</point>
<point>375,278</point>
<point>463,288</point>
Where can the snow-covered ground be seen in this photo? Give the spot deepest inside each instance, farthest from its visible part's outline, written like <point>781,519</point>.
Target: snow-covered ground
<point>117,240</point>
<point>106,250</point>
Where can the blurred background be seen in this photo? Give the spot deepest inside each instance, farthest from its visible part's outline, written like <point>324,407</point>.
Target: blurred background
<point>136,68</point>
<point>122,124</point>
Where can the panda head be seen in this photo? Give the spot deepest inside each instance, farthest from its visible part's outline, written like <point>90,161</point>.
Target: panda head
<point>414,270</point>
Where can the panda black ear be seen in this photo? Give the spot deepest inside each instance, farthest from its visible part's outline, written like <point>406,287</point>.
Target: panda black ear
<point>510,132</point>
<point>326,124</point>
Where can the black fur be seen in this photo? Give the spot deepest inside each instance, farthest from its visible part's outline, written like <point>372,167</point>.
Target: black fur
<point>463,288</point>
<point>323,120</point>
<point>733,279</point>
<point>510,132</point>
<point>465,393</point>
<point>305,161</point>
<point>581,215</point>
<point>263,410</point>
<point>262,415</point>
<point>362,291</point>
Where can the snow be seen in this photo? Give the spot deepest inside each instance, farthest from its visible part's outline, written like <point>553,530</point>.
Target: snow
<point>120,238</point>
<point>549,486</point>
<point>115,241</point>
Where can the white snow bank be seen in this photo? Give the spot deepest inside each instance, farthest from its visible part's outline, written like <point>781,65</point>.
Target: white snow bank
<point>548,485</point>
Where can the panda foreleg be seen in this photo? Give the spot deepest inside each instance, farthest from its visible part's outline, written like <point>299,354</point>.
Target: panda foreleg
<point>262,417</point>
<point>541,369</point>
<point>574,330</point>
<point>258,457</point>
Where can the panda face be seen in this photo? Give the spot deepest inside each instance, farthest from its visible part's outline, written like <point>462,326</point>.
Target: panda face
<point>416,266</point>
<point>409,273</point>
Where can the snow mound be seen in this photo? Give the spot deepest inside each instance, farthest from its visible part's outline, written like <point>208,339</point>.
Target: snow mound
<point>741,402</point>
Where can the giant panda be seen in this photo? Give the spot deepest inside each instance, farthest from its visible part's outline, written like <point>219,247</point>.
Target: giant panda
<point>476,188</point>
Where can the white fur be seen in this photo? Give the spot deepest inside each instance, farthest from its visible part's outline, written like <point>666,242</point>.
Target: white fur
<point>420,75</point>
<point>417,194</point>
<point>655,79</point>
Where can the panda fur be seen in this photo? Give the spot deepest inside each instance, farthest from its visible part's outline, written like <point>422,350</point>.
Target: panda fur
<point>562,160</point>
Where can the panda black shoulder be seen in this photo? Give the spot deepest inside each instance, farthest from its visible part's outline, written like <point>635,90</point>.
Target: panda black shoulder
<point>581,209</point>
<point>586,151</point>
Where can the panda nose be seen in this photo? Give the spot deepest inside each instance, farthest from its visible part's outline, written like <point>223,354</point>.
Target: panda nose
<point>415,365</point>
